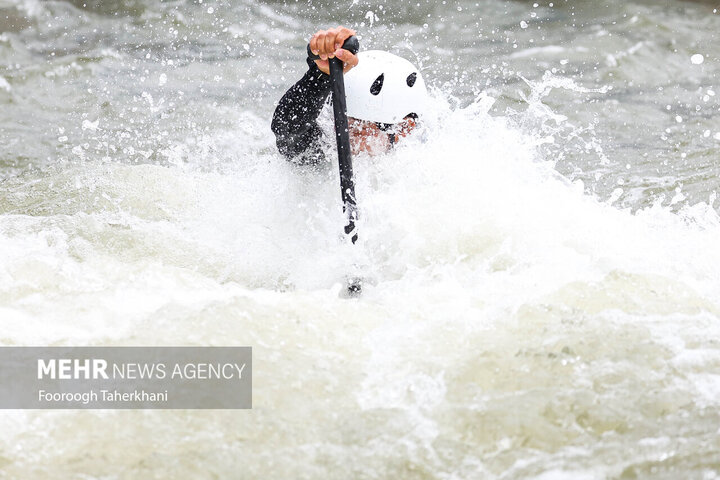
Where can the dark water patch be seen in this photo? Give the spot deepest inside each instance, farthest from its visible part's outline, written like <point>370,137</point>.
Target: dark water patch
<point>133,8</point>
<point>12,20</point>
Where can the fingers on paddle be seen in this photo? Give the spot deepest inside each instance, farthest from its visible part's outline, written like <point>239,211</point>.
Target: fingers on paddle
<point>342,35</point>
<point>317,44</point>
<point>328,44</point>
<point>349,60</point>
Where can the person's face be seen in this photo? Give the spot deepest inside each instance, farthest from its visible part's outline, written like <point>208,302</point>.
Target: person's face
<point>377,138</point>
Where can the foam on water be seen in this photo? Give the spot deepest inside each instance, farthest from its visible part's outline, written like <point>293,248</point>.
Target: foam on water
<point>510,322</point>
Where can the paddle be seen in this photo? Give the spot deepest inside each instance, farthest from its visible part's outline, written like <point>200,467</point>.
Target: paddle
<point>347,184</point>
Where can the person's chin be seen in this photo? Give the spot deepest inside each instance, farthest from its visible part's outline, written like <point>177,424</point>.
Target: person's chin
<point>372,147</point>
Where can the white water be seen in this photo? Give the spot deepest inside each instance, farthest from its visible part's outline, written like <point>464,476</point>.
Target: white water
<point>512,324</point>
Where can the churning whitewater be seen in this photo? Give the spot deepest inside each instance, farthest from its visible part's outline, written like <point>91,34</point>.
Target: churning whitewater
<point>541,262</point>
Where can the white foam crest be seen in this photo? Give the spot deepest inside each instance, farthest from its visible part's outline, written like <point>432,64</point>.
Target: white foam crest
<point>4,85</point>
<point>32,8</point>
<point>467,206</point>
<point>476,193</point>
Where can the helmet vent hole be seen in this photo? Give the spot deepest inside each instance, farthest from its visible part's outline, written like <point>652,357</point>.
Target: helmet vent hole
<point>377,84</point>
<point>411,79</point>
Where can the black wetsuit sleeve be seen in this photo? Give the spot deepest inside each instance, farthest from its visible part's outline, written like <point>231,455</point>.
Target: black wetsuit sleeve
<point>295,124</point>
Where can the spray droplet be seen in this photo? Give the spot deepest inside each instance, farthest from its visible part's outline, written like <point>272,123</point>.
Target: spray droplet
<point>88,125</point>
<point>523,24</point>
<point>697,59</point>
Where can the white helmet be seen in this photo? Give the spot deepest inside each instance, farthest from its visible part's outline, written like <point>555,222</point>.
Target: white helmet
<point>384,88</point>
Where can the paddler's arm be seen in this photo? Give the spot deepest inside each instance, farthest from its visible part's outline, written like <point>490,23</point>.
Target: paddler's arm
<point>295,120</point>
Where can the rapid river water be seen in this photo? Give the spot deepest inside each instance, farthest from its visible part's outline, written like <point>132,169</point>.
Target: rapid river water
<point>542,262</point>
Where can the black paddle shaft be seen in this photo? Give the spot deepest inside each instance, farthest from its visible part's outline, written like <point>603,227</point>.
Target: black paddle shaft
<point>347,184</point>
